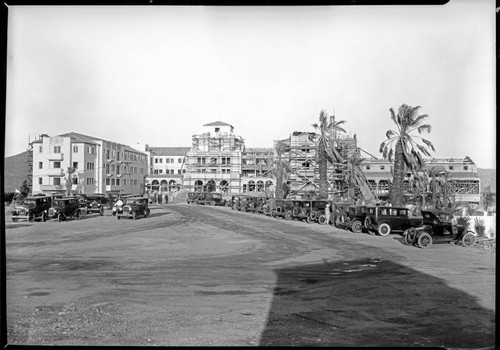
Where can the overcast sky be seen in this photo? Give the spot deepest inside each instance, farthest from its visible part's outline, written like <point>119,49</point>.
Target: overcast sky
<point>155,75</point>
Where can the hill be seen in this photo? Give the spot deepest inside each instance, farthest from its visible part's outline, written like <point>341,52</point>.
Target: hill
<point>488,178</point>
<point>15,170</point>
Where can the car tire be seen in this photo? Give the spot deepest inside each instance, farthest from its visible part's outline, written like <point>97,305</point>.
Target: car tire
<point>78,215</point>
<point>384,229</point>
<point>468,240</point>
<point>212,203</point>
<point>322,219</point>
<point>309,220</point>
<point>31,217</point>
<point>44,217</point>
<point>60,217</point>
<point>424,240</point>
<point>288,215</point>
<point>410,236</point>
<point>357,226</point>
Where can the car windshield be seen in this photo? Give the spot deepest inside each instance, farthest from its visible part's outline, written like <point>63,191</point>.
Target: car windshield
<point>29,203</point>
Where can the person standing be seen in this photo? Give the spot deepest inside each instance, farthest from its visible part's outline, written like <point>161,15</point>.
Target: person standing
<point>327,213</point>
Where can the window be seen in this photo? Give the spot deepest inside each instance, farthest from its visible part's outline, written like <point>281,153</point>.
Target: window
<point>75,165</point>
<point>179,160</point>
<point>57,149</point>
<point>90,166</point>
<point>40,149</point>
<point>466,167</point>
<point>179,171</point>
<point>75,149</point>
<point>112,182</point>
<point>40,181</point>
<point>171,160</point>
<point>90,181</point>
<point>160,171</point>
<point>57,181</point>
<point>107,182</point>
<point>40,165</point>
<point>161,160</point>
<point>217,129</point>
<point>368,167</point>
<point>156,160</point>
<point>117,182</point>
<point>382,167</point>
<point>171,171</point>
<point>107,154</point>
<point>57,165</point>
<point>450,167</point>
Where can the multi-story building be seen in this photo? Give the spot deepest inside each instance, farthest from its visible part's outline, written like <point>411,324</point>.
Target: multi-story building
<point>459,174</point>
<point>167,167</point>
<point>257,170</point>
<point>85,164</point>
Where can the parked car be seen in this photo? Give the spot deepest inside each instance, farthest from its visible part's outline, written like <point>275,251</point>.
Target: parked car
<point>437,227</point>
<point>96,203</point>
<point>133,207</point>
<point>386,219</point>
<point>340,212</point>
<point>195,197</point>
<point>356,215</point>
<point>279,208</point>
<point>318,207</point>
<point>65,208</point>
<point>302,209</point>
<point>33,208</point>
<point>214,199</point>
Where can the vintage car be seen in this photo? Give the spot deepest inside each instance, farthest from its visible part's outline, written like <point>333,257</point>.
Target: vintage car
<point>279,208</point>
<point>96,203</point>
<point>196,197</point>
<point>33,208</point>
<point>318,207</point>
<point>65,208</point>
<point>212,199</point>
<point>302,210</point>
<point>356,215</point>
<point>387,219</point>
<point>437,227</point>
<point>133,207</point>
<point>340,211</point>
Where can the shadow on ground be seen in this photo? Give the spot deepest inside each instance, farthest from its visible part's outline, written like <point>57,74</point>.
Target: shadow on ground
<point>373,303</point>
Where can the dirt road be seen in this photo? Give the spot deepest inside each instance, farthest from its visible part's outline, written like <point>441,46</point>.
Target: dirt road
<point>203,276</point>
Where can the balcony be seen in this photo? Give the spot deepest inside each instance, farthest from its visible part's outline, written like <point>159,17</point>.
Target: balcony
<point>55,172</point>
<point>56,156</point>
<point>52,188</point>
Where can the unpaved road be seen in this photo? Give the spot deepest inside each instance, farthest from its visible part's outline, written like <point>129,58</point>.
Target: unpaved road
<point>210,276</point>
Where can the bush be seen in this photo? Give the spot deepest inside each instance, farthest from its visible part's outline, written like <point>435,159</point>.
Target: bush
<point>8,196</point>
<point>464,221</point>
<point>479,227</point>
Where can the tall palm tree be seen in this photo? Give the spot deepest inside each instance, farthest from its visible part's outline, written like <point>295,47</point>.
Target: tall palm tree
<point>281,168</point>
<point>403,147</point>
<point>325,148</point>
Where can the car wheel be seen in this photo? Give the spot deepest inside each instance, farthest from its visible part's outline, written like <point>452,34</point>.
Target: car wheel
<point>15,219</point>
<point>309,220</point>
<point>322,219</point>
<point>44,217</point>
<point>468,240</point>
<point>424,240</point>
<point>356,226</point>
<point>60,217</point>
<point>31,217</point>
<point>212,203</point>
<point>134,215</point>
<point>78,215</point>
<point>410,236</point>
<point>288,215</point>
<point>384,229</point>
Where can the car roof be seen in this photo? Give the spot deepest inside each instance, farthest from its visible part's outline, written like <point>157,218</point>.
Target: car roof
<point>137,197</point>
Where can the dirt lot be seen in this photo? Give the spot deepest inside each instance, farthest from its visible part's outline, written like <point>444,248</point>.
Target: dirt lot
<point>210,276</point>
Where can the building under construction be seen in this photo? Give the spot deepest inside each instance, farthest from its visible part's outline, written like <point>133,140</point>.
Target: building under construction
<point>300,149</point>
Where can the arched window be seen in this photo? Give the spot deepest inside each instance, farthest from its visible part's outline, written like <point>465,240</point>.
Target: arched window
<point>155,185</point>
<point>251,186</point>
<point>260,185</point>
<point>224,186</point>
<point>269,183</point>
<point>198,186</point>
<point>171,185</point>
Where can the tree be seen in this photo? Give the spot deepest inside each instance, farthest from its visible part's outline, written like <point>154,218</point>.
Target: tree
<point>281,168</point>
<point>325,148</point>
<point>69,174</point>
<point>355,175</point>
<point>403,148</point>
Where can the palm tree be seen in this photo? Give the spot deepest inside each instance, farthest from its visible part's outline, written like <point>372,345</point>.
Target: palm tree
<point>325,148</point>
<point>281,168</point>
<point>402,147</point>
<point>354,174</point>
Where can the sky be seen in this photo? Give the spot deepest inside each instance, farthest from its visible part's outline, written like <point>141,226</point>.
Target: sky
<point>156,74</point>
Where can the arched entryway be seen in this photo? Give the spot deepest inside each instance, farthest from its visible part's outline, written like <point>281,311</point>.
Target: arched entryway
<point>198,186</point>
<point>224,186</point>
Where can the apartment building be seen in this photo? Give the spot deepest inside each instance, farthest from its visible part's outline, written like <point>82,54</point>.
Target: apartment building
<point>167,167</point>
<point>85,164</point>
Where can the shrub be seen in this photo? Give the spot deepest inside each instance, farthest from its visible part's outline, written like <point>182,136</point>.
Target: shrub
<point>479,227</point>
<point>464,221</point>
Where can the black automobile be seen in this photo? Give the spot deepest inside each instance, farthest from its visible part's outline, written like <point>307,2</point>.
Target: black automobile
<point>279,208</point>
<point>340,211</point>
<point>437,227</point>
<point>65,208</point>
<point>302,209</point>
<point>214,199</point>
<point>387,219</point>
<point>356,215</point>
<point>318,210</point>
<point>133,207</point>
<point>33,208</point>
<point>96,203</point>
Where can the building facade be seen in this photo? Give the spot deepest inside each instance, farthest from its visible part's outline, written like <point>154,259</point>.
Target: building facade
<point>79,163</point>
<point>167,167</point>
